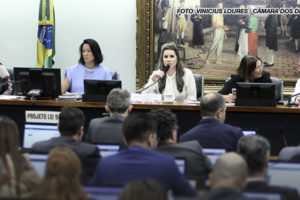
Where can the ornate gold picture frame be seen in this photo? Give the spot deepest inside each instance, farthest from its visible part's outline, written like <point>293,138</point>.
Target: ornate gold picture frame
<point>145,46</point>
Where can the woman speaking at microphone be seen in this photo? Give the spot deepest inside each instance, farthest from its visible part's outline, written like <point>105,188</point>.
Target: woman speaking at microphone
<point>177,80</point>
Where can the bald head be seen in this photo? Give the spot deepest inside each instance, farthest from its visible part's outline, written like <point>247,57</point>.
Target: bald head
<point>229,171</point>
<point>211,103</point>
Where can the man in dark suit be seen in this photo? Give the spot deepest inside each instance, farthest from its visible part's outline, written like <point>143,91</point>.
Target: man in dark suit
<point>211,131</point>
<point>228,178</point>
<point>70,126</point>
<point>197,164</point>
<point>256,150</point>
<point>139,161</point>
<point>109,129</point>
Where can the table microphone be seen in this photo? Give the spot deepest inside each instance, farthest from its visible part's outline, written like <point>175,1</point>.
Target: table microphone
<point>289,101</point>
<point>165,70</point>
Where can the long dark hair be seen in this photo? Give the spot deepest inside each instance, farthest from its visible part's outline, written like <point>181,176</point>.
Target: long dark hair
<point>179,69</point>
<point>247,66</point>
<point>9,143</point>
<point>96,50</point>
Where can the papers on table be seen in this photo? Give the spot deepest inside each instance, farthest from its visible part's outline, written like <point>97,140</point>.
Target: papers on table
<point>70,97</point>
<point>10,97</point>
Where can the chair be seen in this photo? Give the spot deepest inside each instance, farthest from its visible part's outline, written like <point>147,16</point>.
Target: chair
<point>278,88</point>
<point>199,80</point>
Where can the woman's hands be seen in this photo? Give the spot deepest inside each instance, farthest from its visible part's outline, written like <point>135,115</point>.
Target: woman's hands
<point>157,75</point>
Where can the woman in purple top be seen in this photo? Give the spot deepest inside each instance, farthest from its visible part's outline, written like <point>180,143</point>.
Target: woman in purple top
<point>89,67</point>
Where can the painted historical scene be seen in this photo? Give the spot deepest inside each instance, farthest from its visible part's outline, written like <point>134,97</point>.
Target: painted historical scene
<point>213,45</point>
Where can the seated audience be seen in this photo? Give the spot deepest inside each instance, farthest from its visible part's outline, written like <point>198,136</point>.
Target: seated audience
<point>197,164</point>
<point>211,131</point>
<point>89,67</point>
<point>145,189</point>
<point>109,129</point>
<point>22,178</point>
<point>62,177</point>
<point>256,151</point>
<point>228,178</point>
<point>177,81</point>
<point>70,126</point>
<point>139,161</point>
<point>250,70</point>
<point>6,85</point>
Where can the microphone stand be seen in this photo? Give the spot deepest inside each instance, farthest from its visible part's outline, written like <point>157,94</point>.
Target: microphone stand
<point>139,92</point>
<point>289,101</point>
<point>165,70</point>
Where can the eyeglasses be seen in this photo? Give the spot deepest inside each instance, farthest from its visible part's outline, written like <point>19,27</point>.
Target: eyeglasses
<point>259,67</point>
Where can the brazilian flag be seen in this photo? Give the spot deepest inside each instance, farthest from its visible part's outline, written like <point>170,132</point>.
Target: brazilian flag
<point>46,35</point>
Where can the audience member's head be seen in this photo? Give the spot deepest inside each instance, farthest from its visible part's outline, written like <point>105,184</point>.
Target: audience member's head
<point>147,189</point>
<point>71,121</point>
<point>230,171</point>
<point>118,102</point>
<point>213,106</point>
<point>256,150</point>
<point>166,126</point>
<point>61,181</point>
<point>140,129</point>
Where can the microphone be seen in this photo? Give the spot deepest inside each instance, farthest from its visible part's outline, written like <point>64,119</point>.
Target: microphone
<point>165,70</point>
<point>289,101</point>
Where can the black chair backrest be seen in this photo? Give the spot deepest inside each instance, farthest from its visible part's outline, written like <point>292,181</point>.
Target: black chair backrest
<point>278,88</point>
<point>199,80</point>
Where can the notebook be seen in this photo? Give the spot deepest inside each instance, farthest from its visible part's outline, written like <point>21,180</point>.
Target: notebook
<point>38,132</point>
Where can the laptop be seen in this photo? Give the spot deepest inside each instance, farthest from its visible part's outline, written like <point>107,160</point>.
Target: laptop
<point>38,161</point>
<point>180,162</point>
<point>102,192</point>
<point>263,195</point>
<point>213,154</point>
<point>38,132</point>
<point>284,174</point>
<point>108,149</point>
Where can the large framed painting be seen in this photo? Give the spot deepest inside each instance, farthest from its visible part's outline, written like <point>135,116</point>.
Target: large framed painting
<point>164,21</point>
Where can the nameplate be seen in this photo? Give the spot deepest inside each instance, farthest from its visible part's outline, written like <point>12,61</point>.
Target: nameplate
<point>146,98</point>
<point>38,116</point>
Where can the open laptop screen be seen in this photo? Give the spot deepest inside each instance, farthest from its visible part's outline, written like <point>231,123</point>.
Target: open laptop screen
<point>180,162</point>
<point>108,149</point>
<point>38,132</point>
<point>38,162</point>
<point>213,154</point>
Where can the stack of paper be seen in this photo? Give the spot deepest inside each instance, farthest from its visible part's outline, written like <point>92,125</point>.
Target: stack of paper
<point>70,97</point>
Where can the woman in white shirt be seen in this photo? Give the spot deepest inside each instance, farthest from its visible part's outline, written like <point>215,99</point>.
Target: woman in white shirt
<point>177,81</point>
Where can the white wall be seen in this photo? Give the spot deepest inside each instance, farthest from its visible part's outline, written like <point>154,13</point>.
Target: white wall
<point>110,22</point>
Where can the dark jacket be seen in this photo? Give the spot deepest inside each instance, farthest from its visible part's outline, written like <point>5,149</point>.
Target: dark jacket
<point>197,167</point>
<point>232,83</point>
<point>106,130</point>
<point>211,133</point>
<point>87,153</point>
<point>262,186</point>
